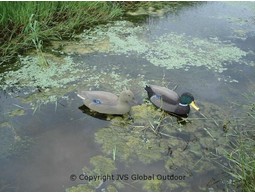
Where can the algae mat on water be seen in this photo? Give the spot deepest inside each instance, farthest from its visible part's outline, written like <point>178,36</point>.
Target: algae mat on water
<point>157,139</point>
<point>172,50</point>
<point>42,85</point>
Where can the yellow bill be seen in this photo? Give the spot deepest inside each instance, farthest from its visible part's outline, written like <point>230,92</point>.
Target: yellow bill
<point>194,105</point>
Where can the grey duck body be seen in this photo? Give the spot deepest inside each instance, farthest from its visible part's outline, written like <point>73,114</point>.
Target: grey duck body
<point>106,102</point>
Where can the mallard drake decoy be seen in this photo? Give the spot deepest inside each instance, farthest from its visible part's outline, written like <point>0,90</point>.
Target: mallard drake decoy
<point>108,103</point>
<point>170,101</point>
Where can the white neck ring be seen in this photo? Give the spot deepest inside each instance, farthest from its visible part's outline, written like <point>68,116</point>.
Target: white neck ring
<point>183,105</point>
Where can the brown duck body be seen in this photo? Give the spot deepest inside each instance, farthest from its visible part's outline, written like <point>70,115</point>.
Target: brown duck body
<point>106,102</point>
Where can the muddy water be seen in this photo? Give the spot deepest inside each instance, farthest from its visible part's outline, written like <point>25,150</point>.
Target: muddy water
<point>43,143</point>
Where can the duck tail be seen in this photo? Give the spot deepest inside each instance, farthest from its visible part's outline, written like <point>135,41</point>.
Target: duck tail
<point>149,91</point>
<point>81,95</point>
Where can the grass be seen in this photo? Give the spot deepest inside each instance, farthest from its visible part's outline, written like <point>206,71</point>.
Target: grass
<point>241,155</point>
<point>26,25</point>
<point>33,24</point>
<point>242,162</point>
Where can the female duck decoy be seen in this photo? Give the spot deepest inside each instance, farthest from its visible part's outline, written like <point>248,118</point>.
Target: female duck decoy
<point>108,103</point>
<point>170,101</point>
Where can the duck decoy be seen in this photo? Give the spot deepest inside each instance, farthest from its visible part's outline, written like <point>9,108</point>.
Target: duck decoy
<point>108,103</point>
<point>170,101</point>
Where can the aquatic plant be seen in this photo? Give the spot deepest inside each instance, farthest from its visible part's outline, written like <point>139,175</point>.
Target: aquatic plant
<point>48,85</point>
<point>12,144</point>
<point>131,143</point>
<point>172,51</point>
<point>155,136</point>
<point>101,166</point>
<point>242,162</point>
<point>34,77</point>
<point>58,20</point>
<point>240,152</point>
<point>33,29</point>
<point>156,8</point>
<point>152,185</point>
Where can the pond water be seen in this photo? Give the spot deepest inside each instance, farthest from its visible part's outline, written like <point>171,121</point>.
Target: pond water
<point>46,135</point>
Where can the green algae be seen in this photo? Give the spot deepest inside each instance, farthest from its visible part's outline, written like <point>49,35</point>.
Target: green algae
<point>80,188</point>
<point>122,36</point>
<point>155,136</point>
<point>111,188</point>
<point>176,51</point>
<point>172,51</point>
<point>41,85</point>
<point>33,75</point>
<point>127,40</point>
<point>47,85</point>
<point>132,143</point>
<point>141,139</point>
<point>80,47</point>
<point>11,143</point>
<point>152,185</point>
<point>102,166</point>
<point>16,112</point>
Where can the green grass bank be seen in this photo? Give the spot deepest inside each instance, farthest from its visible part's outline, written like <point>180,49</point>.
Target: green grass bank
<point>241,154</point>
<point>26,25</point>
<point>33,24</point>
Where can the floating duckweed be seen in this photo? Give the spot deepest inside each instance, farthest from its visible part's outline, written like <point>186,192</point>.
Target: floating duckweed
<point>47,85</point>
<point>123,37</point>
<point>81,188</point>
<point>177,51</point>
<point>12,144</point>
<point>111,81</point>
<point>172,51</point>
<point>140,139</point>
<point>137,142</point>
<point>33,75</point>
<point>118,184</point>
<point>102,165</point>
<point>111,188</point>
<point>152,185</point>
<point>240,33</point>
<point>155,136</point>
<point>177,185</point>
<point>17,112</point>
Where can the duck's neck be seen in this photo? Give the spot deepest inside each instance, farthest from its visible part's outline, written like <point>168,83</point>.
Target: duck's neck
<point>183,105</point>
<point>122,102</point>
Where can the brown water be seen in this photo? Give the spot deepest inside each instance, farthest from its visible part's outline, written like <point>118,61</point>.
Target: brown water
<point>58,139</point>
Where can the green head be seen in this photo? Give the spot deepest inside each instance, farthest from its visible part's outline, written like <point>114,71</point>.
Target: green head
<point>188,99</point>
